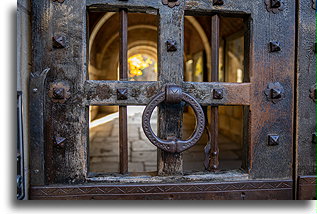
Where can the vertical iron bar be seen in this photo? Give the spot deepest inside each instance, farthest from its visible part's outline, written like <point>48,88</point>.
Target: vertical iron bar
<point>214,151</point>
<point>123,76</point>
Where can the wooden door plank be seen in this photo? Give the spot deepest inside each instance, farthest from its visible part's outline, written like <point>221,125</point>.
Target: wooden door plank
<point>170,67</point>
<point>65,124</point>
<point>306,80</point>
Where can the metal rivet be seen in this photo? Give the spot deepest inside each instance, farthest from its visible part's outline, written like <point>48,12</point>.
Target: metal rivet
<point>217,94</point>
<point>314,138</point>
<point>273,140</point>
<point>274,92</point>
<point>275,46</point>
<point>274,6</point>
<point>59,42</point>
<point>58,93</point>
<point>59,141</point>
<point>171,45</point>
<point>122,94</point>
<point>35,90</point>
<point>217,2</point>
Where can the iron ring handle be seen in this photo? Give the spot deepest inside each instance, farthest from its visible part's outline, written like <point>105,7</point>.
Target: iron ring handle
<point>174,145</point>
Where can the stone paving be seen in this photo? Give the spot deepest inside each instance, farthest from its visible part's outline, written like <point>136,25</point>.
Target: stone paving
<point>104,146</point>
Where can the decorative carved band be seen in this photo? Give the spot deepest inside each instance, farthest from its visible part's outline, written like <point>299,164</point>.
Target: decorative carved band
<point>84,191</point>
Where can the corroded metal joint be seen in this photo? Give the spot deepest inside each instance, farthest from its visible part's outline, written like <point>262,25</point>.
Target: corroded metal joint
<point>59,92</point>
<point>173,94</point>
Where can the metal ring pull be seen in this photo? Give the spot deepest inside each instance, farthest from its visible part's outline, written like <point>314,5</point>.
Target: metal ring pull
<point>173,94</point>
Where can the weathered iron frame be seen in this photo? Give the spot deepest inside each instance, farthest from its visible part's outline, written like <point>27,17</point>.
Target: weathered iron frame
<point>86,91</point>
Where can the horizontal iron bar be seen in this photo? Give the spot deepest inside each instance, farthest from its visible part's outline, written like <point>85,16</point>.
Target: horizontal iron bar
<point>140,93</point>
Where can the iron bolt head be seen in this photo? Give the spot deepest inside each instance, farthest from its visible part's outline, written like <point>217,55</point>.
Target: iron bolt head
<point>217,2</point>
<point>314,138</point>
<point>217,94</point>
<point>273,140</point>
<point>59,141</point>
<point>275,46</point>
<point>35,90</point>
<point>171,3</point>
<point>276,3</point>
<point>59,93</point>
<point>122,94</point>
<point>276,93</point>
<point>59,42</point>
<point>171,45</point>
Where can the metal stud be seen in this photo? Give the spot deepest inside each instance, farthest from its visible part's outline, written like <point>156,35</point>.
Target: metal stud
<point>218,2</point>
<point>273,140</point>
<point>274,6</point>
<point>274,92</point>
<point>122,94</point>
<point>275,46</point>
<point>59,41</point>
<point>171,45</point>
<point>58,93</point>
<point>59,141</point>
<point>217,94</point>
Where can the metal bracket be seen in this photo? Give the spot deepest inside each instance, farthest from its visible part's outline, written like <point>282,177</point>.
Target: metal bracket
<point>274,92</point>
<point>274,6</point>
<point>171,3</point>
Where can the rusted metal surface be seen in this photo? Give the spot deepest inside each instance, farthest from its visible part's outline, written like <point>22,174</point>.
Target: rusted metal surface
<point>217,94</point>
<point>140,93</point>
<point>243,190</point>
<point>306,188</point>
<point>171,3</point>
<point>305,94</point>
<point>122,92</point>
<point>37,141</point>
<point>173,144</point>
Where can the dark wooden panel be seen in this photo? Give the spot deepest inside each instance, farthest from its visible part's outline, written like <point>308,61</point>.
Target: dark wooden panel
<point>243,190</point>
<point>306,188</point>
<point>171,70</point>
<point>65,124</point>
<point>306,79</point>
<point>266,117</point>
<point>140,93</point>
